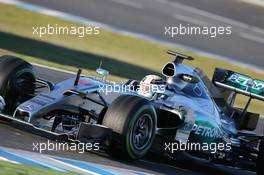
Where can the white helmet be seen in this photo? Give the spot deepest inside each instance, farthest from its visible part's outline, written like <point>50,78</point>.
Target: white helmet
<point>150,85</point>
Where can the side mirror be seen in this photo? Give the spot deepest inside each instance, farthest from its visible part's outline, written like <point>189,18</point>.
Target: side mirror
<point>189,78</point>
<point>104,73</point>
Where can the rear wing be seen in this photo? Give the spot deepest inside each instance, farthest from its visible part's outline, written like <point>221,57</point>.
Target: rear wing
<point>239,83</point>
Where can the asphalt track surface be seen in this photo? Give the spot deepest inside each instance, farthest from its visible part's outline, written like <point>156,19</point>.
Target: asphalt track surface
<point>149,17</point>
<point>14,138</point>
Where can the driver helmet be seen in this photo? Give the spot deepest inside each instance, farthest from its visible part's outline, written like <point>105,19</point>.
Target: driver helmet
<point>150,85</point>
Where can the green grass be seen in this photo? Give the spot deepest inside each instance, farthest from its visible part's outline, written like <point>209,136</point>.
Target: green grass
<point>17,169</point>
<point>125,57</point>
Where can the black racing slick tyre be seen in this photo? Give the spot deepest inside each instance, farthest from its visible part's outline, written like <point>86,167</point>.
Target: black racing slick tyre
<point>133,122</point>
<point>260,165</point>
<point>17,81</point>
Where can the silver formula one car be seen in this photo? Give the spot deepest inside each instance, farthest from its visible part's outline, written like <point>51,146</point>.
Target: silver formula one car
<point>133,118</point>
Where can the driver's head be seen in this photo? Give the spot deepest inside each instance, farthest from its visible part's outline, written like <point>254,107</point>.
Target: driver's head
<point>150,84</point>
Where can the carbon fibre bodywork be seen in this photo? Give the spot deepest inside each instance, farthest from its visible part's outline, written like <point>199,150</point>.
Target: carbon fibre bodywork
<point>192,109</point>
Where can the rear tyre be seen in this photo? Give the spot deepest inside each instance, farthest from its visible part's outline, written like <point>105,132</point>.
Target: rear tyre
<point>133,121</point>
<point>17,81</point>
<point>260,166</point>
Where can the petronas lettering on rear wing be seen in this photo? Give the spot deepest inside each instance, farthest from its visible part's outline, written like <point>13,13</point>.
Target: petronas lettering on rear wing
<point>239,83</point>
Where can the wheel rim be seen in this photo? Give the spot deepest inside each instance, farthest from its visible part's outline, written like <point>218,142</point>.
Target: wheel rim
<point>142,132</point>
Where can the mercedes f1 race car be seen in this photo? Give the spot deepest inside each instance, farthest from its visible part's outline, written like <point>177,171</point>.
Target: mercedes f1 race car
<point>184,111</point>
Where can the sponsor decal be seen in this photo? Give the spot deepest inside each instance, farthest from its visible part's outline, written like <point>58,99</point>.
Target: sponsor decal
<point>207,131</point>
<point>247,83</point>
<point>258,87</point>
<point>85,83</point>
<point>240,80</point>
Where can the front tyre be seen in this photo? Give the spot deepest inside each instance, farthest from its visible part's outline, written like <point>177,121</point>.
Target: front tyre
<point>133,121</point>
<point>17,81</point>
<point>260,166</point>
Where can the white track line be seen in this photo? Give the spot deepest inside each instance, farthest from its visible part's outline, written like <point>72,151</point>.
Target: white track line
<point>214,17</point>
<point>74,167</point>
<point>252,37</point>
<point>191,20</point>
<point>54,68</point>
<point>129,3</point>
<point>6,160</point>
<point>211,15</point>
<point>254,2</point>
